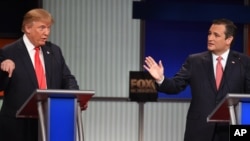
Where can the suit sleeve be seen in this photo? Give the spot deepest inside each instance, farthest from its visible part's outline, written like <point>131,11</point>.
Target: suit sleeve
<point>179,82</point>
<point>3,75</point>
<point>68,80</point>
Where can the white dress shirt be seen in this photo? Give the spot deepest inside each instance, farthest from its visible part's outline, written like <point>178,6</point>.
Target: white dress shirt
<point>31,50</point>
<point>223,60</point>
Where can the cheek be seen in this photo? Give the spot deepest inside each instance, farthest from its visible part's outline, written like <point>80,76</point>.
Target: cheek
<point>221,42</point>
<point>36,34</point>
<point>32,32</point>
<point>221,45</point>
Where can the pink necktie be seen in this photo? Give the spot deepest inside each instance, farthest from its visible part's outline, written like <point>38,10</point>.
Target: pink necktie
<point>219,72</point>
<point>40,75</point>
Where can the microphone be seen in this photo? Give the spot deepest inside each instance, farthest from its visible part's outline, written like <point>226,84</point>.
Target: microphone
<point>51,52</point>
<point>241,63</point>
<point>236,55</point>
<point>49,44</point>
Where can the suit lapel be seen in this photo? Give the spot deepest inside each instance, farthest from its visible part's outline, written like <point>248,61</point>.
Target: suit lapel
<point>231,61</point>
<point>229,70</point>
<point>47,54</point>
<point>27,63</point>
<point>208,65</point>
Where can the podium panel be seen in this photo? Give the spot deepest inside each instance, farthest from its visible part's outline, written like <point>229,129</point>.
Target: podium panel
<point>62,119</point>
<point>245,113</point>
<point>234,108</point>
<point>58,111</point>
<point>29,108</point>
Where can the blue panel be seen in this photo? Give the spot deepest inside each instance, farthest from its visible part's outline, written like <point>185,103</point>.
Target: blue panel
<point>245,117</point>
<point>62,119</point>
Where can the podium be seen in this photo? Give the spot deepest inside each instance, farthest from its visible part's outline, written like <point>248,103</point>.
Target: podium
<point>234,108</point>
<point>58,112</point>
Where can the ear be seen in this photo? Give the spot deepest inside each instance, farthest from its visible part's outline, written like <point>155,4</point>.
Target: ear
<point>27,28</point>
<point>229,40</point>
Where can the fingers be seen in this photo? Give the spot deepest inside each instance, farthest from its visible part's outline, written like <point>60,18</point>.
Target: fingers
<point>160,64</point>
<point>145,67</point>
<point>10,73</point>
<point>8,66</point>
<point>150,61</point>
<point>85,106</point>
<point>156,70</point>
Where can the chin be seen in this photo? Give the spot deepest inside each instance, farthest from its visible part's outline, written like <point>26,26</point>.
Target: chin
<point>42,43</point>
<point>210,48</point>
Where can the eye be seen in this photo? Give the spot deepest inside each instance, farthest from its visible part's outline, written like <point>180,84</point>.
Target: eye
<point>42,27</point>
<point>216,35</point>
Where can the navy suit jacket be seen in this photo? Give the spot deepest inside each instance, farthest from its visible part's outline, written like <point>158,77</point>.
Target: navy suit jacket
<point>197,72</point>
<point>23,81</point>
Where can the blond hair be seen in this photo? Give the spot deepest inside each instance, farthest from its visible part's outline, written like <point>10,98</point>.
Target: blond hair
<point>37,14</point>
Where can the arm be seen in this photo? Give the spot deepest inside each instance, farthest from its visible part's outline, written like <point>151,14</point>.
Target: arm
<point>61,70</point>
<point>167,85</point>
<point>7,67</point>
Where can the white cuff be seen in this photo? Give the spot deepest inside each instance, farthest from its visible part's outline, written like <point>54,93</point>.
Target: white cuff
<point>160,82</point>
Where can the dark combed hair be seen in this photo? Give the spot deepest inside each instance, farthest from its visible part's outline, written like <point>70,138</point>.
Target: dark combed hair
<point>231,28</point>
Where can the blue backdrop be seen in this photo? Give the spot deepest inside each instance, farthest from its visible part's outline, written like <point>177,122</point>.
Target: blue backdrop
<point>172,42</point>
<point>176,28</point>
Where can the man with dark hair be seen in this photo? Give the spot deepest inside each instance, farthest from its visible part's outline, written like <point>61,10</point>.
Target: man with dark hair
<point>211,75</point>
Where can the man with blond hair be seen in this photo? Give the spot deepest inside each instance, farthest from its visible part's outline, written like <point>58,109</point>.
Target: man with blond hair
<point>19,78</point>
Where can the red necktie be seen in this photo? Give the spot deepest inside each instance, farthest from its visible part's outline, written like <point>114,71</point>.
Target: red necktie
<point>219,72</point>
<point>40,75</point>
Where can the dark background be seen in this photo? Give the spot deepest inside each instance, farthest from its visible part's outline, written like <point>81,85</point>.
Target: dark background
<point>11,14</point>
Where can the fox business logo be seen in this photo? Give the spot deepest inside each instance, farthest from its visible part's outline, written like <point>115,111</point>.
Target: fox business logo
<point>142,86</point>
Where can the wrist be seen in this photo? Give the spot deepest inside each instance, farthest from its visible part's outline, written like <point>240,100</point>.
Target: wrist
<point>160,80</point>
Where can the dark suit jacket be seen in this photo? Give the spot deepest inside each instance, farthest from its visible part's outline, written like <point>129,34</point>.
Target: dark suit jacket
<point>23,81</point>
<point>197,71</point>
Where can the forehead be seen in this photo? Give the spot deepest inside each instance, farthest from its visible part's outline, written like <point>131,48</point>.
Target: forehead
<point>217,28</point>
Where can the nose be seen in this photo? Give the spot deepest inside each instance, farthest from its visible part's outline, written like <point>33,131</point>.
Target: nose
<point>210,37</point>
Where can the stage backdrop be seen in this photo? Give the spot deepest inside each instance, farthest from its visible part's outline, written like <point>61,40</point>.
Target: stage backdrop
<point>175,29</point>
<point>172,42</point>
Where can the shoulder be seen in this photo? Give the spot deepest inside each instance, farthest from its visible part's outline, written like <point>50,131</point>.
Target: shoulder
<point>52,45</point>
<point>200,55</point>
<point>239,55</point>
<point>242,58</point>
<point>53,48</point>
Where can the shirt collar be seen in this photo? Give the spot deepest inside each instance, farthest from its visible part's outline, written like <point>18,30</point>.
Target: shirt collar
<point>27,43</point>
<point>224,55</point>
